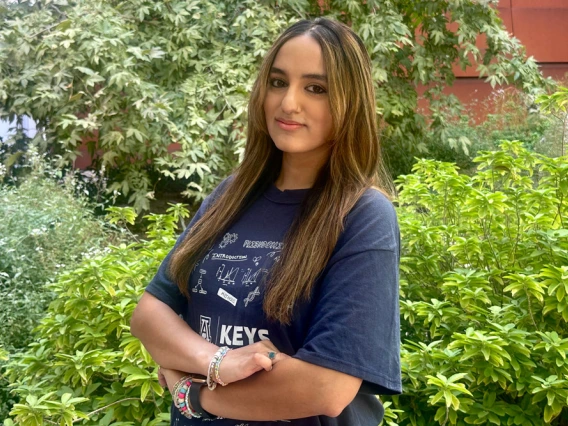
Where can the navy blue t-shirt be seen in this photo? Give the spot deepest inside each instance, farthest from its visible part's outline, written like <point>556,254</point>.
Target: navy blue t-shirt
<point>351,323</point>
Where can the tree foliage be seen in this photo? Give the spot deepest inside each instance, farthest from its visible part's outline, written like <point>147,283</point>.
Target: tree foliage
<point>484,291</point>
<point>134,79</point>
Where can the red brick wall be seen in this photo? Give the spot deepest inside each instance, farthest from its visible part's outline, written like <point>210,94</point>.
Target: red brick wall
<point>541,26</point>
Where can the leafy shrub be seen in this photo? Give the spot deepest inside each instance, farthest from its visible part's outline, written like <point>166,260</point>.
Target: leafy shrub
<point>466,140</point>
<point>44,229</point>
<point>512,115</point>
<point>84,358</point>
<point>484,302</point>
<point>6,400</point>
<point>484,291</point>
<point>556,106</point>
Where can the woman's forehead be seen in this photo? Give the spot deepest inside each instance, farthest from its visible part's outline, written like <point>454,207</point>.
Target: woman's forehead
<point>298,57</point>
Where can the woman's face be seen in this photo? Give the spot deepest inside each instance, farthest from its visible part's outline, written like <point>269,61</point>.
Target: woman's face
<point>296,105</point>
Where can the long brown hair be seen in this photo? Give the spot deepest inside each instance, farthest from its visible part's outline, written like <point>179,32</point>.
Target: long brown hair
<point>354,165</point>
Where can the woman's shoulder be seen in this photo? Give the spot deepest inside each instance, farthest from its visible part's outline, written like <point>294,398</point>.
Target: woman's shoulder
<point>222,186</point>
<point>372,205</point>
<point>372,222</point>
<point>217,192</point>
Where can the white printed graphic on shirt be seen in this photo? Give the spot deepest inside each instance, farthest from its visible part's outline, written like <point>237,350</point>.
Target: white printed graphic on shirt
<point>228,257</point>
<point>205,327</point>
<point>200,283</point>
<point>249,278</point>
<point>274,245</point>
<point>208,254</point>
<point>227,277</point>
<point>256,260</point>
<point>234,335</point>
<point>251,296</point>
<point>228,239</point>
<point>274,255</point>
<point>204,259</point>
<point>227,296</point>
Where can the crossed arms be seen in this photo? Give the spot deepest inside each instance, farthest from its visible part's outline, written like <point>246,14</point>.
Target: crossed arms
<point>257,390</point>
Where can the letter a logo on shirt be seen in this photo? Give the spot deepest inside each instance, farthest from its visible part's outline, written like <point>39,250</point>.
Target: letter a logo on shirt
<point>205,328</point>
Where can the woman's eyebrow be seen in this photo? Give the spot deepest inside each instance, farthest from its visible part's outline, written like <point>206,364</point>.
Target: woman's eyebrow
<point>274,70</point>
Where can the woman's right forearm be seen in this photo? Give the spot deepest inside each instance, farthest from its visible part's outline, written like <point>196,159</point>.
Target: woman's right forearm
<point>168,338</point>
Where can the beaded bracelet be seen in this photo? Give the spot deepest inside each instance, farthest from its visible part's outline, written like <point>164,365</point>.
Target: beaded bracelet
<point>211,384</point>
<point>224,350</point>
<point>213,371</point>
<point>181,397</point>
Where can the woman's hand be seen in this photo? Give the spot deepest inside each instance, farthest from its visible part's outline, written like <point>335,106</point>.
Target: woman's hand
<point>161,378</point>
<point>238,364</point>
<point>169,378</point>
<point>243,362</point>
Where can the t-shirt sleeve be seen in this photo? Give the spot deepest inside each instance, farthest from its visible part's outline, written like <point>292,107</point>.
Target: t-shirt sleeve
<point>355,324</point>
<point>162,287</point>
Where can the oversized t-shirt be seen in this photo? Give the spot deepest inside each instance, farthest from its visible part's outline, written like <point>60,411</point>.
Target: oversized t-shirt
<point>350,324</point>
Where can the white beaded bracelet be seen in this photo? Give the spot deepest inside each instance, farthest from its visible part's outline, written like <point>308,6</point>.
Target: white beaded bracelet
<point>213,371</point>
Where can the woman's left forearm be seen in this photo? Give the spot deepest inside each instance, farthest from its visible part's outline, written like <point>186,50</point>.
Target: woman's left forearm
<point>293,389</point>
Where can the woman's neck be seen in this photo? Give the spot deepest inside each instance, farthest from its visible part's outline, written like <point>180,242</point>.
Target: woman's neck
<point>297,172</point>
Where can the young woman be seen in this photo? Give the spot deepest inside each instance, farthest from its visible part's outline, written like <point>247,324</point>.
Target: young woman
<point>292,262</point>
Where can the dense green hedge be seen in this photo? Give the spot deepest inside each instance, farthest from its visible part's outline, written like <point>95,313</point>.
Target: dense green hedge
<point>483,304</point>
<point>84,357</point>
<point>45,228</point>
<point>484,291</point>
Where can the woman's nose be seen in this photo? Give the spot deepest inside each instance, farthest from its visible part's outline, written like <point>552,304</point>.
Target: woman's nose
<point>290,102</point>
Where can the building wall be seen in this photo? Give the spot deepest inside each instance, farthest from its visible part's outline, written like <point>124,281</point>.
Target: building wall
<point>542,27</point>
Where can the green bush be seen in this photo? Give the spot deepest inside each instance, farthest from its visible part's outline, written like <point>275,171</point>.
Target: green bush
<point>84,358</point>
<point>466,140</point>
<point>44,228</point>
<point>484,291</point>
<point>6,400</point>
<point>512,115</point>
<point>484,303</point>
<point>555,105</point>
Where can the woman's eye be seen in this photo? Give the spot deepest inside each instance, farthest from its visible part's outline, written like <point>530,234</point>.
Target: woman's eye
<point>318,90</point>
<point>276,82</point>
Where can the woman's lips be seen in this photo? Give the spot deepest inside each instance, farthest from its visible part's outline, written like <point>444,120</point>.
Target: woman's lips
<point>288,125</point>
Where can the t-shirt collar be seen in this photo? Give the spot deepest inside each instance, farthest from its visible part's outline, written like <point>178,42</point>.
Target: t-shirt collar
<point>288,196</point>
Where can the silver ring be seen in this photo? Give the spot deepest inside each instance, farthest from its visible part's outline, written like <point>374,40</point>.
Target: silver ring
<point>271,355</point>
